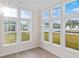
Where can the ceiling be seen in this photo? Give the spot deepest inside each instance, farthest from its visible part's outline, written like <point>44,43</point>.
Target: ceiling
<point>31,4</point>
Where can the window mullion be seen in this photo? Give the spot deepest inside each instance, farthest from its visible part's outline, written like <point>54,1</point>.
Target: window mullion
<point>62,41</point>
<point>18,26</point>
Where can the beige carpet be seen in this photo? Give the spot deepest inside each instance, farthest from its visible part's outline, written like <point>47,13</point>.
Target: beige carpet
<point>32,53</point>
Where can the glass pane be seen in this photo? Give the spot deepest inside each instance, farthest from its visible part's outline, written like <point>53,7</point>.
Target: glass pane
<point>25,25</point>
<point>9,22</point>
<point>9,12</point>
<point>25,36</point>
<point>10,38</point>
<point>56,11</point>
<point>73,7</point>
<point>72,32</point>
<point>46,30</point>
<point>26,14</point>
<point>45,14</point>
<point>25,28</point>
<point>11,28</point>
<point>10,31</point>
<point>9,25</point>
<point>56,31</point>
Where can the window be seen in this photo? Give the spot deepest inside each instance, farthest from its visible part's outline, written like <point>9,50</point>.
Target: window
<point>46,25</point>
<point>56,22</point>
<point>9,12</point>
<point>10,25</point>
<point>56,11</point>
<point>72,36</point>
<point>10,31</point>
<point>26,14</point>
<point>25,23</point>
<point>45,14</point>
<point>56,31</point>
<point>72,25</point>
<point>72,8</point>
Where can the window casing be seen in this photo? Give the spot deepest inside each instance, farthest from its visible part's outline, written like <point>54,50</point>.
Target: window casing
<point>25,25</point>
<point>9,25</point>
<point>65,34</point>
<point>72,25</point>
<point>56,24</point>
<point>17,26</point>
<point>45,25</point>
<point>10,31</point>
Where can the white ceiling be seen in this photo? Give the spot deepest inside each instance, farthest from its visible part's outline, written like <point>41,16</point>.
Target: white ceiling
<point>30,4</point>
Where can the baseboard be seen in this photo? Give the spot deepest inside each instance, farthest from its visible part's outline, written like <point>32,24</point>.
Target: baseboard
<point>17,50</point>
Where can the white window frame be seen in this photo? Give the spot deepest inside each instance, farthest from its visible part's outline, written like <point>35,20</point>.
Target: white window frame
<point>56,17</point>
<point>18,30</point>
<point>30,31</point>
<point>3,41</point>
<point>66,17</point>
<point>49,36</point>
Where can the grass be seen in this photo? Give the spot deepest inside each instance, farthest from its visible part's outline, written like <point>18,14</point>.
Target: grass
<point>46,36</point>
<point>71,39</point>
<point>10,38</point>
<point>56,38</point>
<point>25,36</point>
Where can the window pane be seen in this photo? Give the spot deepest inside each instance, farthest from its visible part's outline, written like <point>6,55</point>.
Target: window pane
<point>56,11</point>
<point>26,14</point>
<point>9,25</point>
<point>25,36</point>
<point>45,24</point>
<point>25,25</point>
<point>72,32</point>
<point>10,31</point>
<point>10,38</point>
<point>73,7</point>
<point>72,25</point>
<point>56,31</point>
<point>46,29</point>
<point>25,30</point>
<point>11,28</point>
<point>45,14</point>
<point>9,12</point>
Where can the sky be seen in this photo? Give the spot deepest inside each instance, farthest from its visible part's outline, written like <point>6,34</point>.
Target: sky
<point>72,7</point>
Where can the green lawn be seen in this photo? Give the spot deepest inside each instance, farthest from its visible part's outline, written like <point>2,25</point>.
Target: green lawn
<point>46,36</point>
<point>25,36</point>
<point>56,38</point>
<point>71,39</point>
<point>10,38</point>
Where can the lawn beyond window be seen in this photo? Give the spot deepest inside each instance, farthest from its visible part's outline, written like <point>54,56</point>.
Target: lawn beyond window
<point>56,37</point>
<point>25,36</point>
<point>72,33</point>
<point>10,38</point>
<point>72,41</point>
<point>46,31</point>
<point>46,36</point>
